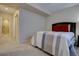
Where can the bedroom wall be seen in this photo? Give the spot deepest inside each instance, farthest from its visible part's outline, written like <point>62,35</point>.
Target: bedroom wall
<point>66,15</point>
<point>29,24</point>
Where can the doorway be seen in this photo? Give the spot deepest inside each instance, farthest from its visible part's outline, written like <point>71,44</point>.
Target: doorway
<point>8,25</point>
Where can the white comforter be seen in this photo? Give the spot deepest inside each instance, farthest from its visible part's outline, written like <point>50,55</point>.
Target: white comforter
<point>55,43</point>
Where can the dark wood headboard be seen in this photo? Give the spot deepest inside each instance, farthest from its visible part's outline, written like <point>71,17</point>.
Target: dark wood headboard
<point>72,26</point>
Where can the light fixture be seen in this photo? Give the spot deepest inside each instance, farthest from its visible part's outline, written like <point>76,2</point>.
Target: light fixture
<point>6,8</point>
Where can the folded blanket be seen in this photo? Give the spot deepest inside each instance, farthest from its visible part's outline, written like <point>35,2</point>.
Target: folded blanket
<point>33,40</point>
<point>55,44</point>
<point>48,41</point>
<point>63,47</point>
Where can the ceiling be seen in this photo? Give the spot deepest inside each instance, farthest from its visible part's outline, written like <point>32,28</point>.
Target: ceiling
<point>52,7</point>
<point>40,8</point>
<point>7,9</point>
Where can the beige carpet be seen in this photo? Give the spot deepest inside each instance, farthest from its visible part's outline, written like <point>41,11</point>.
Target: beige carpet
<point>13,49</point>
<point>21,50</point>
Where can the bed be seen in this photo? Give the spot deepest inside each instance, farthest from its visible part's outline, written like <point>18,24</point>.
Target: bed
<point>55,42</point>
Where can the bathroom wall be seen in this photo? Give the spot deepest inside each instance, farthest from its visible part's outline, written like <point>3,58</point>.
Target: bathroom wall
<point>6,38</point>
<point>4,16</point>
<point>16,26</point>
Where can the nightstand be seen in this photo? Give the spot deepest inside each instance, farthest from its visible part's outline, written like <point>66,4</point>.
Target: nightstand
<point>78,41</point>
